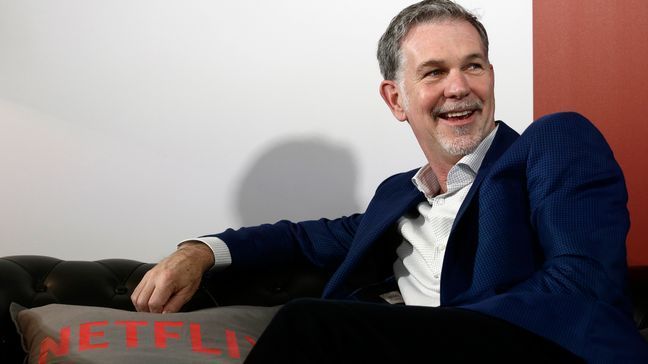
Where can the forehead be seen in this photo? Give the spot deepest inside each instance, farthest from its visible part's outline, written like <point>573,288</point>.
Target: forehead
<point>444,41</point>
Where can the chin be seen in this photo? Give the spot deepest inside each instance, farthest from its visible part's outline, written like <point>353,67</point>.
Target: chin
<point>461,141</point>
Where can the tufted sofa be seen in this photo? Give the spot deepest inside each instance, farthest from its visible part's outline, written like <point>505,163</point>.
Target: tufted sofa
<point>39,280</point>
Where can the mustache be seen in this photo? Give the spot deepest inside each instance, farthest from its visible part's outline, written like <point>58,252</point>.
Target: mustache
<point>456,107</point>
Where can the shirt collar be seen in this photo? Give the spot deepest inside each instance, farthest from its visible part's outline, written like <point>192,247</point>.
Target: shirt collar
<point>426,182</point>
<point>465,170</point>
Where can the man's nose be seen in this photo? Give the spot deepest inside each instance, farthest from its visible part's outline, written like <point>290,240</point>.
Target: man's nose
<point>457,85</point>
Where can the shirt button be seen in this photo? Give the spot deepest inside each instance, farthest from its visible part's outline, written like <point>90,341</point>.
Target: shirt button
<point>437,276</point>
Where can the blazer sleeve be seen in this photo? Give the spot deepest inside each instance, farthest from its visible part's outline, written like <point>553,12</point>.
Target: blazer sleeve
<point>577,199</point>
<point>322,243</point>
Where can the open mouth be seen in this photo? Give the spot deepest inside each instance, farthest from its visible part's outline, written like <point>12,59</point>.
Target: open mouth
<point>457,115</point>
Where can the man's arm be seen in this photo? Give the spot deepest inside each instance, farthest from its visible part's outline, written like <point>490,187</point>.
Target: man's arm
<point>578,207</point>
<point>173,281</point>
<point>577,200</point>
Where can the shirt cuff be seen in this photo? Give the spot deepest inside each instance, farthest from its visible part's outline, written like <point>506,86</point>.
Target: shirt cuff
<point>222,256</point>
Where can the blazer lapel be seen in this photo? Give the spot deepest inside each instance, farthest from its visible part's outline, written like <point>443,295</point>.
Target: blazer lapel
<point>382,213</point>
<point>456,273</point>
<point>503,139</point>
<point>392,201</point>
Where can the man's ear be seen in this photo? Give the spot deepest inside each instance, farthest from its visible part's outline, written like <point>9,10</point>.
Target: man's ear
<point>392,94</point>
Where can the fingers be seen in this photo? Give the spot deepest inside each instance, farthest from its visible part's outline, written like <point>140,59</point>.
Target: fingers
<point>172,282</point>
<point>151,294</point>
<point>159,299</point>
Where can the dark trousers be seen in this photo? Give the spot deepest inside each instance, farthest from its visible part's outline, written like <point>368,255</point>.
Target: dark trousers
<point>326,331</point>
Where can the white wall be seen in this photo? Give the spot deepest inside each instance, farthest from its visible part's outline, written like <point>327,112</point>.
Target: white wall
<point>129,125</point>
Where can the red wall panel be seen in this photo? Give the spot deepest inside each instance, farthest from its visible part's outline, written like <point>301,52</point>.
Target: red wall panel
<point>591,56</point>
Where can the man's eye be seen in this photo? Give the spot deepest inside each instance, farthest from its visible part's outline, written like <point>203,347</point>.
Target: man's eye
<point>433,73</point>
<point>475,67</point>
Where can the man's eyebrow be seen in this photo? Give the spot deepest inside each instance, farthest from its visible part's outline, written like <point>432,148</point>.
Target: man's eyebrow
<point>476,56</point>
<point>430,63</point>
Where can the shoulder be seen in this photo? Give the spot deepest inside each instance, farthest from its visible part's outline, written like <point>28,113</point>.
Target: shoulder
<point>558,152</point>
<point>565,127</point>
<point>398,180</point>
<point>396,187</point>
<point>561,136</point>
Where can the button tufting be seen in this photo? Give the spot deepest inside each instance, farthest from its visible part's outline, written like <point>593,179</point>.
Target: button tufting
<point>121,290</point>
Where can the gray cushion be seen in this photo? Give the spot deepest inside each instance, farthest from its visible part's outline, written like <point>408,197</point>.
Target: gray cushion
<point>58,333</point>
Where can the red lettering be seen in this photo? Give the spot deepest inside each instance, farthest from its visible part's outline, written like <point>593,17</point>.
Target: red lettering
<point>196,341</point>
<point>88,333</point>
<point>232,344</point>
<point>161,335</point>
<point>250,340</point>
<point>131,331</point>
<point>48,345</point>
<point>85,334</point>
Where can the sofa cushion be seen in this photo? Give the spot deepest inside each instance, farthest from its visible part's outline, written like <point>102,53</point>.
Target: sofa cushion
<point>59,333</point>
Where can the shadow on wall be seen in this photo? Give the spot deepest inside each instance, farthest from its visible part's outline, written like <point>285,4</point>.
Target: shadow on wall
<point>298,180</point>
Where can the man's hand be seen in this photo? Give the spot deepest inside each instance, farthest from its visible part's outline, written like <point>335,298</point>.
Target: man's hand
<point>173,281</point>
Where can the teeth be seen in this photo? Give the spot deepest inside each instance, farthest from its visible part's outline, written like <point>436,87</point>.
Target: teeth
<point>458,114</point>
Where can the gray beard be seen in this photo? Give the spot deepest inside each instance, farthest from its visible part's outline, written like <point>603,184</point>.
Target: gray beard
<point>461,142</point>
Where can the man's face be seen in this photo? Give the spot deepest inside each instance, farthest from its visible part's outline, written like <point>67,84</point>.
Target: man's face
<point>446,89</point>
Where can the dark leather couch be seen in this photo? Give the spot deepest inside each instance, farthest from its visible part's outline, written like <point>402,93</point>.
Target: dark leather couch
<point>38,280</point>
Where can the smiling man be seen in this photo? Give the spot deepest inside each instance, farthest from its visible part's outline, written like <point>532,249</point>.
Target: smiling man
<point>501,247</point>
<point>445,90</point>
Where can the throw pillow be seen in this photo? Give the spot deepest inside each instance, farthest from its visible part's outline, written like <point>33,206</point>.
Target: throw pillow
<point>59,333</point>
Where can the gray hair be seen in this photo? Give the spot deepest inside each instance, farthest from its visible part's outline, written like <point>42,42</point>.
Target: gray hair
<point>427,11</point>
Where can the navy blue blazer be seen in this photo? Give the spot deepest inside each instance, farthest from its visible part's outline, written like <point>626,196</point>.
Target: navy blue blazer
<point>539,240</point>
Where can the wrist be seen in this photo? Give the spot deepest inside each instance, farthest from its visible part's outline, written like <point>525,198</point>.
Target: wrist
<point>199,253</point>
